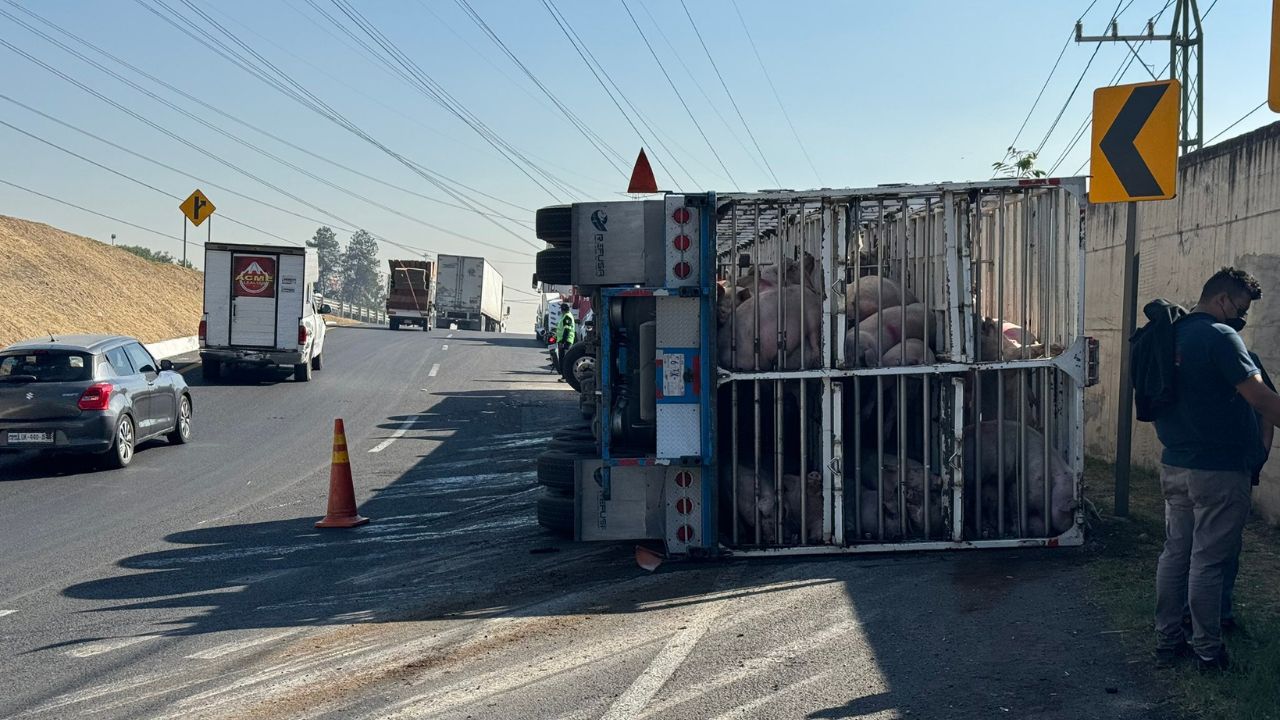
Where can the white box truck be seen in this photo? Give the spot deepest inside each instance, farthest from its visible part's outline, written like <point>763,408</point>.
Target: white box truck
<point>259,309</point>
<point>470,294</point>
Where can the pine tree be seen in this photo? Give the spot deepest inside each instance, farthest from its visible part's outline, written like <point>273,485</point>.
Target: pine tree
<point>329,251</point>
<point>361,281</point>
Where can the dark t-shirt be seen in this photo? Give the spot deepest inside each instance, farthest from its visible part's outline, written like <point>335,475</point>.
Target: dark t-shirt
<point>1211,427</point>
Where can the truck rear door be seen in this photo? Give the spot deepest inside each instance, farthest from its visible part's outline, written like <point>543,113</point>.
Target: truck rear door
<point>291,296</point>
<point>254,279</point>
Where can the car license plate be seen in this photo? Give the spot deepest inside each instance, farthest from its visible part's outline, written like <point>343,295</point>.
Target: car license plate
<point>30,437</point>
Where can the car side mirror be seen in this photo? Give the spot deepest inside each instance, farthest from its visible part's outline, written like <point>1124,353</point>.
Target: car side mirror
<point>326,309</point>
<point>166,364</point>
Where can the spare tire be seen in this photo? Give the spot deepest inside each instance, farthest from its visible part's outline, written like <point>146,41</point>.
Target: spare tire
<point>555,225</point>
<point>554,266</point>
<point>555,513</point>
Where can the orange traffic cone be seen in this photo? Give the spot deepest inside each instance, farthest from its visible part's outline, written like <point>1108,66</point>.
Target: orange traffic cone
<point>342,493</point>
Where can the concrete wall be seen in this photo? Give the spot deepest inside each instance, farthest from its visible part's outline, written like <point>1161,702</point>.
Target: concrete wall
<point>1227,213</point>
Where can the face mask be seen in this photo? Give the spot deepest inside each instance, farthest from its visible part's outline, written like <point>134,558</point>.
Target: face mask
<point>1236,323</point>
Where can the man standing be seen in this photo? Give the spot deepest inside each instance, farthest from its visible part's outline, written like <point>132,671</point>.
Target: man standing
<point>1212,443</point>
<point>564,336</point>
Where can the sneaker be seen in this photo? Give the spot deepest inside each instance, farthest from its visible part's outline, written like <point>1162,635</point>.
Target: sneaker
<point>1218,663</point>
<point>1168,657</point>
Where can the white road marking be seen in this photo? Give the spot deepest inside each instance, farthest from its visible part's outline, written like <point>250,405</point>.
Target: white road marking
<point>399,433</point>
<point>7,612</point>
<point>216,652</point>
<point>668,660</point>
<point>107,646</point>
<point>449,335</point>
<point>444,347</point>
<point>434,369</point>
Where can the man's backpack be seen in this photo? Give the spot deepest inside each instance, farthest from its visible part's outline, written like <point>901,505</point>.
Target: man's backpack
<point>1153,360</point>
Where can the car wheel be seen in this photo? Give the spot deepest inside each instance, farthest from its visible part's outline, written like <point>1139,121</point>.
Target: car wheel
<point>555,513</point>
<point>554,225</point>
<point>317,362</point>
<point>210,369</point>
<point>302,372</point>
<point>555,266</point>
<point>181,434</point>
<point>121,452</point>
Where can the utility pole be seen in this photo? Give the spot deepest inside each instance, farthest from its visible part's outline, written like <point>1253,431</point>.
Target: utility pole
<point>1186,65</point>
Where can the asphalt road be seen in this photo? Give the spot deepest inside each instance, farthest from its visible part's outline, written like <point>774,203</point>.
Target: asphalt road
<point>193,584</point>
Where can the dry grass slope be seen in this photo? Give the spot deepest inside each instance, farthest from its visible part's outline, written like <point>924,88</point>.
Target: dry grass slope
<point>56,282</point>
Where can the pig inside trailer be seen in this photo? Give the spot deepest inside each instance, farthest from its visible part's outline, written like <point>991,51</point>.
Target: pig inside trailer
<point>897,368</point>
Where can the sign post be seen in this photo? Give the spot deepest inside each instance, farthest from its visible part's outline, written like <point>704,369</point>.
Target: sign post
<point>197,209</point>
<point>1134,159</point>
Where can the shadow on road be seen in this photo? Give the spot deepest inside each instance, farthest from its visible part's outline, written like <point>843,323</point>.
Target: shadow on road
<point>963,635</point>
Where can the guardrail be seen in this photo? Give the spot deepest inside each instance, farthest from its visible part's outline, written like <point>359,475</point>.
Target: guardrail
<point>351,311</point>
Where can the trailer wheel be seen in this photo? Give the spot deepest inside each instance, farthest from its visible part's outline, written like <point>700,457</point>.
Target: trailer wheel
<point>576,352</point>
<point>210,369</point>
<point>557,468</point>
<point>555,266</point>
<point>555,513</point>
<point>555,225</point>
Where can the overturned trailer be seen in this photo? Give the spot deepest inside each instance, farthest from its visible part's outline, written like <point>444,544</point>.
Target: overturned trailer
<point>893,368</point>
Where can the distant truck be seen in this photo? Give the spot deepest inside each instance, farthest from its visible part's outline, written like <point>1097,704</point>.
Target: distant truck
<point>469,294</point>
<point>259,309</point>
<point>411,294</point>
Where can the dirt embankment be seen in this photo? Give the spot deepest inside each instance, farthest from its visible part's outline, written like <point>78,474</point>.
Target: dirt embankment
<point>56,282</point>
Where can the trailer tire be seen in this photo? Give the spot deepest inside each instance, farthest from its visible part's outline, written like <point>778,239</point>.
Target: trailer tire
<point>554,225</point>
<point>210,370</point>
<point>555,266</point>
<point>575,353</point>
<point>555,513</point>
<point>557,468</point>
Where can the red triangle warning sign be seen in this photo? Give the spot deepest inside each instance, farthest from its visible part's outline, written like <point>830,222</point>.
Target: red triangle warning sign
<point>642,180</point>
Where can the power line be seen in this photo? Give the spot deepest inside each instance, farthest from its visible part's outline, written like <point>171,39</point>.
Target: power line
<point>91,212</point>
<point>676,90</point>
<point>240,121</point>
<point>781,105</point>
<point>241,141</point>
<point>595,140</point>
<point>285,84</point>
<point>132,179</point>
<point>694,79</point>
<point>1070,96</point>
<point>1045,85</point>
<point>1237,122</point>
<point>429,87</point>
<point>1121,71</point>
<point>584,53</point>
<point>701,41</point>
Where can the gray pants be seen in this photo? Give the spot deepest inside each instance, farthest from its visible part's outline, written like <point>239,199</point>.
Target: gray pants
<point>1204,517</point>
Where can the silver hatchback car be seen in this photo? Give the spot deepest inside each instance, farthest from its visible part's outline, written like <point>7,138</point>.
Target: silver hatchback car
<point>101,394</point>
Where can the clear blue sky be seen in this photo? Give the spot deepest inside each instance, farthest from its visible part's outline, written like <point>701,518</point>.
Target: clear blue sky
<point>877,92</point>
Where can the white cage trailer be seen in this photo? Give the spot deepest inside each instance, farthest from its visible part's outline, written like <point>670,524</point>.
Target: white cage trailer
<point>835,371</point>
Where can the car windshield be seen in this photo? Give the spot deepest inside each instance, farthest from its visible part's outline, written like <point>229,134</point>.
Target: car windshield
<point>45,366</point>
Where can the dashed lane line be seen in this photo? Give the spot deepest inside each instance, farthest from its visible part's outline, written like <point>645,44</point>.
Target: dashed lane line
<point>434,369</point>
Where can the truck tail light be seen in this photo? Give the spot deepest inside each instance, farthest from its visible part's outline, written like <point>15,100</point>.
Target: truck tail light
<point>96,397</point>
<point>302,334</point>
<point>204,330</point>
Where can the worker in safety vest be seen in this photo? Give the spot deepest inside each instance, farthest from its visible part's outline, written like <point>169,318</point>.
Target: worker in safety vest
<point>565,333</point>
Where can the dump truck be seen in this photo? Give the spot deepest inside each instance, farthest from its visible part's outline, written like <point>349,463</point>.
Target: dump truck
<point>469,294</point>
<point>411,294</point>
<point>896,368</point>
